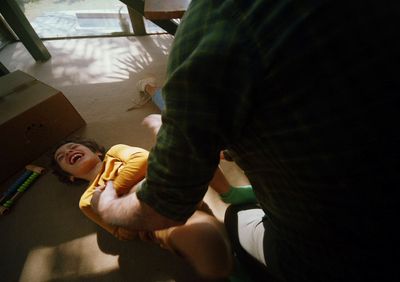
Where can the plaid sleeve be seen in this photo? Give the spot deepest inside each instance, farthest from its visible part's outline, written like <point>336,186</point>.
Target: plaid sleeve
<point>188,144</point>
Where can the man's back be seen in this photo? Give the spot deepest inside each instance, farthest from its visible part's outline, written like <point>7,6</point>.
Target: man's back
<point>321,146</point>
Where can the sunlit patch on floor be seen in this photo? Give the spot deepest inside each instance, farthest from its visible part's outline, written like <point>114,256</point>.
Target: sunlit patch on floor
<point>79,257</point>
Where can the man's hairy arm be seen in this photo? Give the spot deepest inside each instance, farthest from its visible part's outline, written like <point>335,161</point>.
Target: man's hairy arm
<point>128,211</point>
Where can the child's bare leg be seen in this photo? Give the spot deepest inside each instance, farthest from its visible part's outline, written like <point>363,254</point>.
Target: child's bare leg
<point>153,122</point>
<point>203,242</point>
<point>219,182</point>
<point>230,194</point>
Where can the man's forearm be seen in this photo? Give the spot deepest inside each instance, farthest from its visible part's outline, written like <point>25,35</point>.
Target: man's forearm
<point>129,212</point>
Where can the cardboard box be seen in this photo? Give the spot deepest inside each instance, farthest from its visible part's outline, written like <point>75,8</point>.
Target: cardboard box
<point>33,117</point>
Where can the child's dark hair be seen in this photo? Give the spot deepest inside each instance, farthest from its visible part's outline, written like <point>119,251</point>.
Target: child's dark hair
<point>91,144</point>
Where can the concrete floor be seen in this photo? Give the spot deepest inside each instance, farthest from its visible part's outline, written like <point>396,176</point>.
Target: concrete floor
<point>46,237</point>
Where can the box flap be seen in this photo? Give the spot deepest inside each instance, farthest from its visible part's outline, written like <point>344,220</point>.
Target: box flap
<point>13,81</point>
<point>24,95</point>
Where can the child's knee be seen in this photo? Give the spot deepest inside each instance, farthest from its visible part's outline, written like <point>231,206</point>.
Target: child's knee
<point>202,241</point>
<point>215,258</point>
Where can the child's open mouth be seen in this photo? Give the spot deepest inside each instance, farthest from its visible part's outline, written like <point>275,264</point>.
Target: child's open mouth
<point>75,157</point>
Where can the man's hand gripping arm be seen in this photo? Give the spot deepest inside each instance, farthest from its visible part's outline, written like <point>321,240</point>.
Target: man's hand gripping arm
<point>128,211</point>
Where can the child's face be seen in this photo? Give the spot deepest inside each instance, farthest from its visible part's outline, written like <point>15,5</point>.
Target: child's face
<point>76,159</point>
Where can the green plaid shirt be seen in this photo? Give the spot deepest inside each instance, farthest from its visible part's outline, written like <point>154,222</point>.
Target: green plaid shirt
<point>303,95</point>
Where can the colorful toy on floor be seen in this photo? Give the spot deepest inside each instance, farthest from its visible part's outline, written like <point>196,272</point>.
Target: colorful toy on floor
<point>16,190</point>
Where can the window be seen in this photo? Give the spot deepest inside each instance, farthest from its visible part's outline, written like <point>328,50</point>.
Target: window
<point>4,34</point>
<point>76,18</point>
